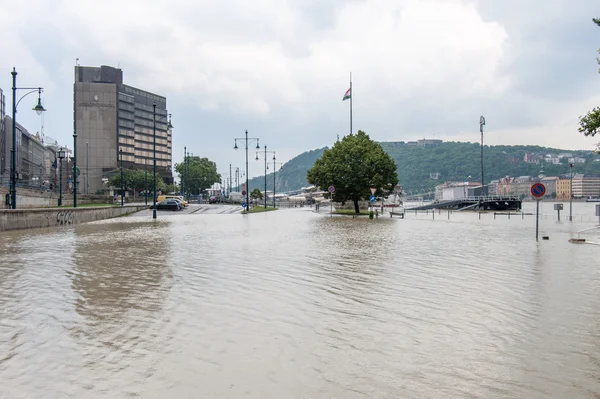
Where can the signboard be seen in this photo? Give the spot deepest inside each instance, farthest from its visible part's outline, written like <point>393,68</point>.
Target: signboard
<point>243,186</point>
<point>373,189</point>
<point>538,190</point>
<point>372,198</point>
<point>244,192</point>
<point>331,189</point>
<point>243,204</point>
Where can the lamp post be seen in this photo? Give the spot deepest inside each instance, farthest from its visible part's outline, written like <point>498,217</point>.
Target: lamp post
<point>87,168</point>
<point>146,180</point>
<point>122,186</point>
<point>481,125</point>
<point>235,147</point>
<point>75,174</point>
<point>13,152</point>
<point>266,168</point>
<point>169,126</point>
<point>183,175</point>
<point>571,194</point>
<point>62,154</point>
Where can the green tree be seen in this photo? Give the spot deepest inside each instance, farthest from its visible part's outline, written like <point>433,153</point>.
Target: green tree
<point>135,179</point>
<point>589,124</point>
<point>352,166</point>
<point>199,175</point>
<point>256,194</point>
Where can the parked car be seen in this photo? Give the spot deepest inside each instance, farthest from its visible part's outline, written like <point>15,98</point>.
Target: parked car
<point>179,197</point>
<point>213,199</point>
<point>169,204</point>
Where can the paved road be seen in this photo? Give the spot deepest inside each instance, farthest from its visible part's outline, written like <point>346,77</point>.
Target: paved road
<point>195,209</point>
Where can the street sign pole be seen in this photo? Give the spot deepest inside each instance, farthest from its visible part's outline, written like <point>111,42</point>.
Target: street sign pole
<point>537,219</point>
<point>538,190</point>
<point>331,190</point>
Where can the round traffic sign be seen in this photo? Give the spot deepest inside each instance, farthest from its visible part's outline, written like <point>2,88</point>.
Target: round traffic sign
<point>243,192</point>
<point>538,190</point>
<point>372,198</point>
<point>331,189</point>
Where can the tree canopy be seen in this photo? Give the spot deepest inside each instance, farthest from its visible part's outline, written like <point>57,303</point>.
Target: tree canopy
<point>256,194</point>
<point>136,179</point>
<point>199,175</point>
<point>354,165</point>
<point>589,124</point>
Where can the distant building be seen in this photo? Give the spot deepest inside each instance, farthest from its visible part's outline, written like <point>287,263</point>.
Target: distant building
<point>492,188</point>
<point>111,116</point>
<point>563,187</point>
<point>434,175</point>
<point>552,158</point>
<point>551,183</point>
<point>428,142</point>
<point>456,190</point>
<point>531,158</point>
<point>412,143</point>
<point>576,160</point>
<point>30,156</point>
<point>585,186</point>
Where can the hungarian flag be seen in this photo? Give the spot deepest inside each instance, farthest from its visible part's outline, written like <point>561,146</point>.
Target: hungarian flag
<point>347,95</point>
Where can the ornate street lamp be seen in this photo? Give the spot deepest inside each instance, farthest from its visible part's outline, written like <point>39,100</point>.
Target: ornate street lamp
<point>122,185</point>
<point>235,147</point>
<point>169,126</point>
<point>62,154</point>
<point>39,108</point>
<point>266,168</point>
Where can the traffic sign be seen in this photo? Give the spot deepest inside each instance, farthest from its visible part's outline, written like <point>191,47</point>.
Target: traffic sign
<point>373,189</point>
<point>372,198</point>
<point>331,189</point>
<point>538,190</point>
<point>244,192</point>
<point>243,204</point>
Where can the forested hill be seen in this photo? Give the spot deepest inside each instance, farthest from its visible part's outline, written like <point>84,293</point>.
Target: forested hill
<point>450,161</point>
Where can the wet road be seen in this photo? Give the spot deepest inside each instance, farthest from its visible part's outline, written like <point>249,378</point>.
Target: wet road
<point>292,304</point>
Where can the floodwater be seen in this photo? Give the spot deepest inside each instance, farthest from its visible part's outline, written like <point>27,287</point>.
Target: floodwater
<point>293,304</point>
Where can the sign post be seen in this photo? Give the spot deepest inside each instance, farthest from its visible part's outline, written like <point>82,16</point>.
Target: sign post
<point>537,190</point>
<point>331,190</point>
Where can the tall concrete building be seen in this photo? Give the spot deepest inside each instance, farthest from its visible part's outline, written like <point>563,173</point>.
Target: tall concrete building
<point>111,116</point>
<point>4,154</point>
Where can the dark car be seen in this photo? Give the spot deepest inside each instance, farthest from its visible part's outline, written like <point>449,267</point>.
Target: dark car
<point>169,204</point>
<point>213,199</point>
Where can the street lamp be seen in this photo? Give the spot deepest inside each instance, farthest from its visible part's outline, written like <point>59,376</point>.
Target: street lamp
<point>235,147</point>
<point>75,170</point>
<point>62,154</point>
<point>571,194</point>
<point>13,154</point>
<point>146,180</point>
<point>266,168</point>
<point>169,126</point>
<point>122,186</point>
<point>481,125</point>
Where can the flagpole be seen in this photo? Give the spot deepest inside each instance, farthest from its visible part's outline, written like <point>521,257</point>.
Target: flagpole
<point>351,95</point>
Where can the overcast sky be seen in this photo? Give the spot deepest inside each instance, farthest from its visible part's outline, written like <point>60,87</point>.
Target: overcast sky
<point>420,68</point>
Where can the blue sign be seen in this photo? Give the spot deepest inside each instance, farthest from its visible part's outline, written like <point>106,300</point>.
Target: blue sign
<point>243,204</point>
<point>372,198</point>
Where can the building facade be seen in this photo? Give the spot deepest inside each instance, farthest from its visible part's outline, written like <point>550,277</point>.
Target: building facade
<point>31,155</point>
<point>4,152</point>
<point>111,117</point>
<point>563,188</point>
<point>586,186</point>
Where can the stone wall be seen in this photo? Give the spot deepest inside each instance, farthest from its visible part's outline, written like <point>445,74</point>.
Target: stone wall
<point>15,219</point>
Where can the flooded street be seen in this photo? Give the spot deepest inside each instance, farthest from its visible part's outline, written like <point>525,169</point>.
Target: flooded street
<point>293,304</point>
